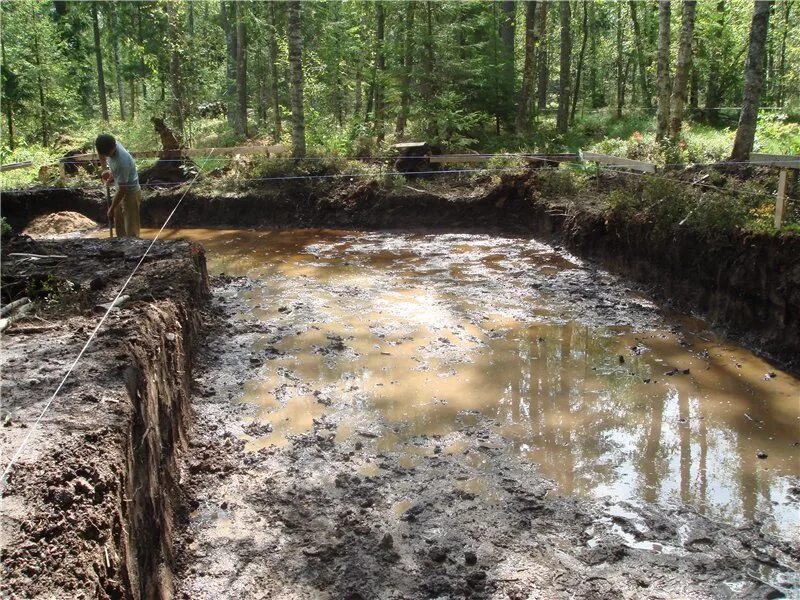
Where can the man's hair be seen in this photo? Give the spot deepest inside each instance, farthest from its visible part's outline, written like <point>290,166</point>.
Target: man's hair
<point>105,143</point>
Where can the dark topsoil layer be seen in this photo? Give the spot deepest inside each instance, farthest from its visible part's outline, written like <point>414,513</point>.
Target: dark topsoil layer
<point>87,509</point>
<point>747,284</point>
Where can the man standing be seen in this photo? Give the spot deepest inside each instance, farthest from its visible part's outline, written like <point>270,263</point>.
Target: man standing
<point>126,202</point>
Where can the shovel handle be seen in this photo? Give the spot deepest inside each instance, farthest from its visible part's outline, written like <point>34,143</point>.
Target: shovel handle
<point>108,205</point>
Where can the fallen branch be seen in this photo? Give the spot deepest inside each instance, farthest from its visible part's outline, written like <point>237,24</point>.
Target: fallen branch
<point>11,306</point>
<point>8,321</point>
<point>37,256</point>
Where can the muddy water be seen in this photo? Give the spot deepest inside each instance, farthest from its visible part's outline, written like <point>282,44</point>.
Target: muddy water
<point>402,338</point>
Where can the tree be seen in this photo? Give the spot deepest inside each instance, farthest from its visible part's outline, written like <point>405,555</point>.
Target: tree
<point>564,68</point>
<point>296,70</point>
<point>638,40</point>
<point>662,71</point>
<point>380,68</point>
<point>241,70</point>
<point>581,55</point>
<point>408,65</point>
<point>98,53</point>
<point>528,70</point>
<point>682,69</point>
<point>542,67</point>
<point>115,34</point>
<point>273,72</point>
<point>753,82</point>
<point>620,62</point>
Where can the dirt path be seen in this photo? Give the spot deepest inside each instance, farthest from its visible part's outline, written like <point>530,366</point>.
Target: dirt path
<point>370,411</point>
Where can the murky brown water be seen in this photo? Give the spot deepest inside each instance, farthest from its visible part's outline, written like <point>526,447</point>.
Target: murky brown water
<point>413,334</point>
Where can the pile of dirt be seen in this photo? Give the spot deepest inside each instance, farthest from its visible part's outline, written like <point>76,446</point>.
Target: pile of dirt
<point>59,223</point>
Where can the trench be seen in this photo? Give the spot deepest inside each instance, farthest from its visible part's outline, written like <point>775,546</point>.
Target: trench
<point>400,340</point>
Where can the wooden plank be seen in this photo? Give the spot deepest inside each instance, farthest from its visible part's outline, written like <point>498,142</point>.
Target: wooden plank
<point>618,161</point>
<point>783,161</point>
<point>781,201</point>
<point>457,158</point>
<point>410,145</point>
<point>16,165</point>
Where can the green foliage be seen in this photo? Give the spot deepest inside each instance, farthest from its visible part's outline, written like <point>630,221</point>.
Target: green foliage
<point>5,228</point>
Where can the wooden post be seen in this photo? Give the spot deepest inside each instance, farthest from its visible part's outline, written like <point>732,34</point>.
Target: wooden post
<point>62,168</point>
<point>779,203</point>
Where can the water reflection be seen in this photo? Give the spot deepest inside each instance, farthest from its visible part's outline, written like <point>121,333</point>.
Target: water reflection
<point>410,332</point>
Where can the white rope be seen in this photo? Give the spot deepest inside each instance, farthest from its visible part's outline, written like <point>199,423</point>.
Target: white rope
<point>35,425</point>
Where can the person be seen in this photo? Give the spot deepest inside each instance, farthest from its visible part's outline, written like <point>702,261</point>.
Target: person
<point>128,198</point>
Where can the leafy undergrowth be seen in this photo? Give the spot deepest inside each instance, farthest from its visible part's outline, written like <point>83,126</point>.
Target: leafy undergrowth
<point>706,200</point>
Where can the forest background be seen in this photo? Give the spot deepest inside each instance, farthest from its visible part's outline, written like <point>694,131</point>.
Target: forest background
<point>656,80</point>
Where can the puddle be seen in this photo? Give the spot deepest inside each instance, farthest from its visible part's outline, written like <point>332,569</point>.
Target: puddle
<point>407,337</point>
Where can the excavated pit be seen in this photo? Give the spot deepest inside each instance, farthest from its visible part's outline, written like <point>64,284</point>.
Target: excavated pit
<point>309,471</point>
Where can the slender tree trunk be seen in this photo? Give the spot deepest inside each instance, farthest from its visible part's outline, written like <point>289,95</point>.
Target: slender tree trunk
<point>787,7</point>
<point>227,14</point>
<point>357,90</point>
<point>427,62</point>
<point>562,119</point>
<point>277,129</point>
<point>753,82</point>
<point>98,54</point>
<point>640,60</point>
<point>380,69</point>
<point>581,55</point>
<point>175,76</point>
<point>508,26</point>
<point>662,69</point>
<point>140,40</point>
<point>597,98</point>
<point>694,89</point>
<point>528,70</point>
<point>132,83</point>
<point>9,108</point>
<point>296,71</point>
<point>714,67</point>
<point>682,69</point>
<point>40,85</point>
<point>117,70</point>
<point>620,63</point>
<point>408,64</point>
<point>542,67</point>
<point>241,70</point>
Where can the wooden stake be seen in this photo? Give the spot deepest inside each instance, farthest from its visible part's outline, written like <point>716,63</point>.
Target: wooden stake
<point>779,203</point>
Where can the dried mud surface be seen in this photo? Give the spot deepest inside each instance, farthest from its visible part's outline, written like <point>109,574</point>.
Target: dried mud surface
<point>324,517</point>
<point>86,507</point>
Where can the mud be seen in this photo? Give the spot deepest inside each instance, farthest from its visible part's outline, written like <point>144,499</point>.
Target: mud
<point>441,416</point>
<point>87,510</point>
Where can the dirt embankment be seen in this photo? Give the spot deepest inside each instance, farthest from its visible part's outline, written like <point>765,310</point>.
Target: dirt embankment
<point>87,510</point>
<point>746,283</point>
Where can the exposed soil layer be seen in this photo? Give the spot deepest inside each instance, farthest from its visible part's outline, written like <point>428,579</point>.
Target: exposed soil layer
<point>318,514</point>
<point>748,284</point>
<point>87,508</point>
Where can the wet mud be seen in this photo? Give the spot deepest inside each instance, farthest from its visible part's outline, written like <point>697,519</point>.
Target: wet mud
<point>410,415</point>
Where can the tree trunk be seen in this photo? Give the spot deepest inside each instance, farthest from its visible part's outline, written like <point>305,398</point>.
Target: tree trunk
<point>9,109</point>
<point>175,78</point>
<point>620,63</point>
<point>380,68</point>
<point>241,71</point>
<point>787,6</point>
<point>640,60</point>
<point>682,69</point>
<point>713,89</point>
<point>528,70</point>
<point>408,63</point>
<point>662,69</point>
<point>140,40</point>
<point>227,16</point>
<point>427,62</point>
<point>117,70</point>
<point>753,82</point>
<point>581,55</point>
<point>40,85</point>
<point>98,54</point>
<point>562,119</point>
<point>508,25</point>
<point>694,89</point>
<point>277,130</point>
<point>597,96</point>
<point>542,66</point>
<point>296,71</point>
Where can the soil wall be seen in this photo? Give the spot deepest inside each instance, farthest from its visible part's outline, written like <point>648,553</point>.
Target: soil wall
<point>88,509</point>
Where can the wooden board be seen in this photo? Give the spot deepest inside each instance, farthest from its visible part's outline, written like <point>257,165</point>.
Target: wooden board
<point>618,161</point>
<point>459,158</point>
<point>783,161</point>
<point>16,165</point>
